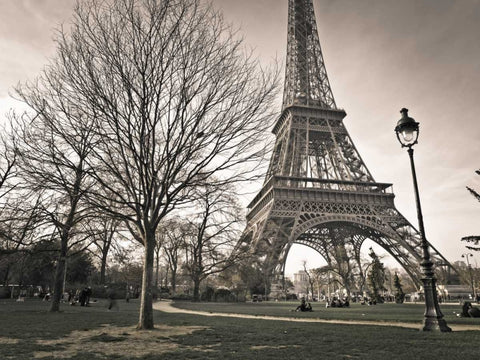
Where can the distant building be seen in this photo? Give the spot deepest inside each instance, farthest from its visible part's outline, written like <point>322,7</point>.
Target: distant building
<point>460,264</point>
<point>456,292</point>
<point>300,283</point>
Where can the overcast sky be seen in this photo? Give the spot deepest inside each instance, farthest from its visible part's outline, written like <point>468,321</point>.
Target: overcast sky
<point>381,55</point>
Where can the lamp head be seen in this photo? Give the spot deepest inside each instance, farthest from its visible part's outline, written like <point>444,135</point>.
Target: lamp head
<point>407,130</point>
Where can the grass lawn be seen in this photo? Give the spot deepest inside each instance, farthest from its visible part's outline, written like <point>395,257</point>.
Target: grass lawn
<point>383,312</point>
<point>28,331</point>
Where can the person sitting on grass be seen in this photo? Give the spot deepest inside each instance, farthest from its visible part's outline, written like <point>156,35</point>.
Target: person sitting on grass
<point>304,306</point>
<point>470,311</point>
<point>339,303</point>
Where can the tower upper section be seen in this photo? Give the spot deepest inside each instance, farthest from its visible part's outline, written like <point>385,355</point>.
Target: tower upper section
<point>306,81</point>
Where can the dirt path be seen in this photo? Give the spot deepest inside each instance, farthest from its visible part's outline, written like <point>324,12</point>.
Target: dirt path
<point>166,306</point>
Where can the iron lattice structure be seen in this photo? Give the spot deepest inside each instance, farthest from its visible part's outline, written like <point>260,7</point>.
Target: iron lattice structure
<point>318,191</point>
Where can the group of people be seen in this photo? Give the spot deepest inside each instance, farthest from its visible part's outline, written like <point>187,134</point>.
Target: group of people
<point>337,303</point>
<point>368,302</point>
<point>468,310</point>
<point>81,296</point>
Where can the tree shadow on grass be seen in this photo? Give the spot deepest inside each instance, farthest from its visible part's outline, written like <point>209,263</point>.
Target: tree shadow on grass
<point>113,342</point>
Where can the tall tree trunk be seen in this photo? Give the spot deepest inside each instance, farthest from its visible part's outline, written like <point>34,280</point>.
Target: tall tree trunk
<point>157,256</point>
<point>196,288</point>
<point>59,274</point>
<point>103,266</point>
<point>146,309</point>
<point>173,277</point>
<point>7,273</point>
<point>346,284</point>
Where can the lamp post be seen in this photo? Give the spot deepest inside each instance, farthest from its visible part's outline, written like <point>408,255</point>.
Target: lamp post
<point>471,275</point>
<point>407,131</point>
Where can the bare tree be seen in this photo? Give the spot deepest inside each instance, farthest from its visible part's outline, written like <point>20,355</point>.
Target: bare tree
<point>341,262</point>
<point>310,278</point>
<point>8,157</point>
<point>365,265</point>
<point>176,99</point>
<point>9,210</point>
<point>175,232</point>
<point>21,226</point>
<point>321,276</point>
<point>21,221</point>
<point>158,249</point>
<point>103,231</point>
<point>54,141</point>
<point>216,233</point>
<point>125,265</point>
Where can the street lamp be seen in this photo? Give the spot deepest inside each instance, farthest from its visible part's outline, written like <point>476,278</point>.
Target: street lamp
<point>407,131</point>
<point>471,275</point>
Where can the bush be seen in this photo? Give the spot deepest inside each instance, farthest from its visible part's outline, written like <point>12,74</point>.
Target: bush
<point>182,297</point>
<point>101,291</point>
<point>208,294</point>
<point>399,298</point>
<point>224,295</point>
<point>163,293</point>
<point>5,293</point>
<point>292,297</point>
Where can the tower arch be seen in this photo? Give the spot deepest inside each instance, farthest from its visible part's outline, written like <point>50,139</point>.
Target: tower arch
<point>325,234</point>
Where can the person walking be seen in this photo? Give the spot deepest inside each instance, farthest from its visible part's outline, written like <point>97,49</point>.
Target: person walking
<point>112,302</point>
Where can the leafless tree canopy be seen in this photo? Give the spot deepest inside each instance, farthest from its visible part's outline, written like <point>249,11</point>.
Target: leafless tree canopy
<point>53,142</point>
<point>173,98</point>
<point>8,159</point>
<point>175,233</point>
<point>215,233</point>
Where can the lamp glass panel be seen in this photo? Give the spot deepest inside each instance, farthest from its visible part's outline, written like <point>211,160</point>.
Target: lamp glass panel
<point>408,136</point>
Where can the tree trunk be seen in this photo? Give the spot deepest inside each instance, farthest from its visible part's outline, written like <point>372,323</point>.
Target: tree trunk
<point>173,277</point>
<point>7,273</point>
<point>346,284</point>
<point>145,321</point>
<point>157,257</point>
<point>59,274</point>
<point>196,288</point>
<point>103,267</point>
<point>173,281</point>
<point>166,277</point>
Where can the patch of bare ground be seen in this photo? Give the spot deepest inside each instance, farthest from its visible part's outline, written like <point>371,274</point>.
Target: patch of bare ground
<point>263,347</point>
<point>8,341</point>
<point>110,341</point>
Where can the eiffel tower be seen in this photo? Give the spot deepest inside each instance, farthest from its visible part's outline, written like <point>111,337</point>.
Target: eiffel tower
<point>318,191</point>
